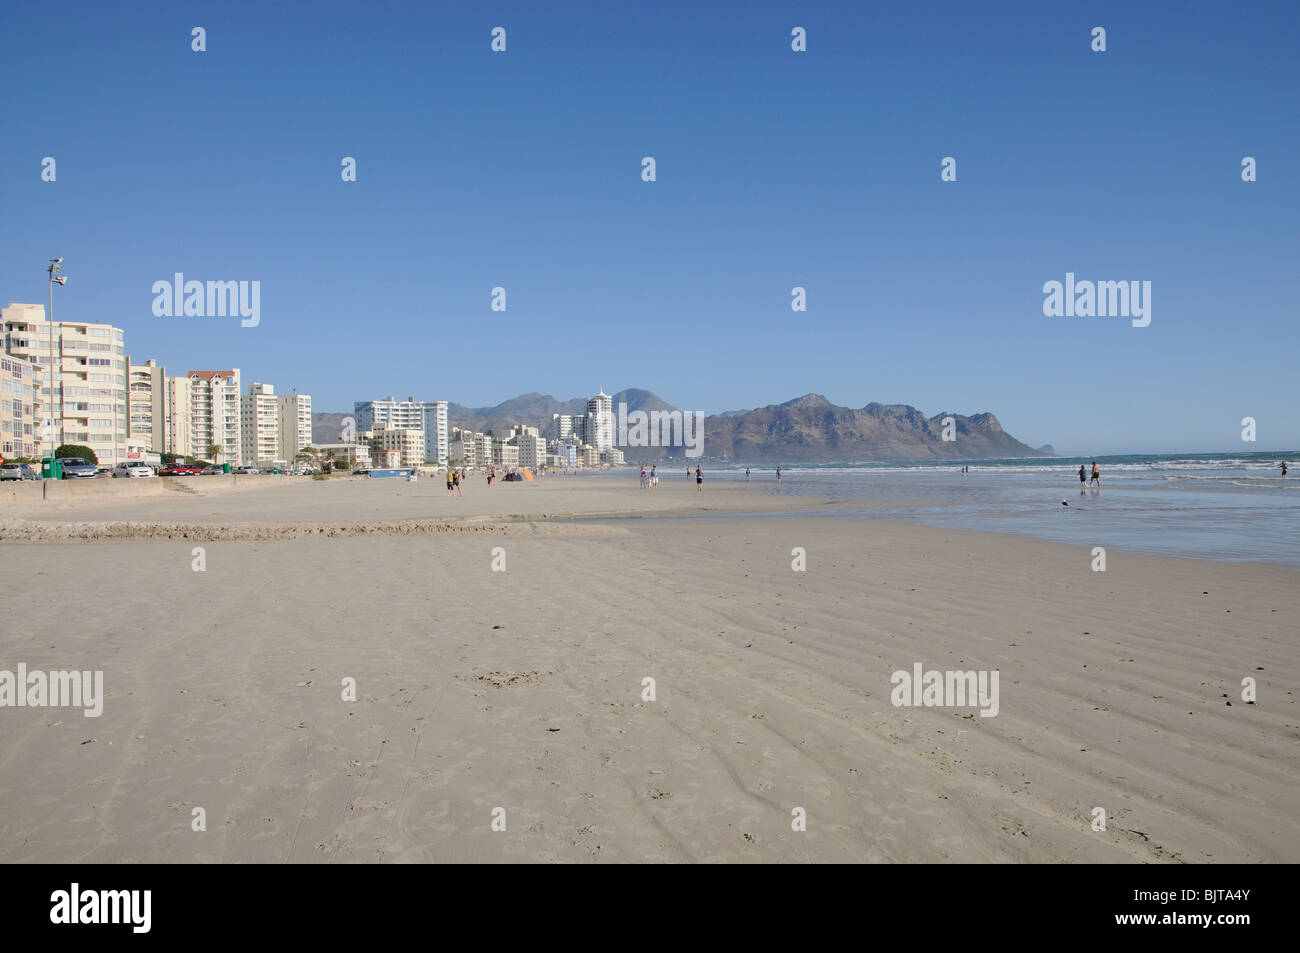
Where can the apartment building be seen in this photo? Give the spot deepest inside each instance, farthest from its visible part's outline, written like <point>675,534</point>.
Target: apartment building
<point>599,428</point>
<point>20,429</point>
<point>84,392</point>
<point>564,426</point>
<point>293,426</point>
<point>530,444</point>
<point>346,454</point>
<point>430,417</point>
<point>469,448</point>
<point>259,424</point>
<point>435,431</point>
<point>177,415</point>
<point>407,442</point>
<point>214,417</point>
<point>505,454</point>
<point>147,405</point>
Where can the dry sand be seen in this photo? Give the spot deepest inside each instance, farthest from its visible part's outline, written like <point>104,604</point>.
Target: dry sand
<point>522,689</point>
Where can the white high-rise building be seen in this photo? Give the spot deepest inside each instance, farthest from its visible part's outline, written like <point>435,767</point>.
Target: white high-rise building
<point>214,416</point>
<point>564,426</point>
<point>294,424</point>
<point>147,405</point>
<point>429,416</point>
<point>177,416</point>
<point>435,431</point>
<point>532,448</point>
<point>600,422</point>
<point>259,421</point>
<point>83,396</point>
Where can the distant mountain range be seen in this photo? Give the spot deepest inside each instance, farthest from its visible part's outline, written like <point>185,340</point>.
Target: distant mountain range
<point>809,429</point>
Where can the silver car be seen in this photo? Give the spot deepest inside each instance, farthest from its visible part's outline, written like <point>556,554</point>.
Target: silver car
<point>133,468</point>
<point>18,471</point>
<point>77,468</point>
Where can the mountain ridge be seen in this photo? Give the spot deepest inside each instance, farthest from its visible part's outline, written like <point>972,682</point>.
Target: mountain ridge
<point>806,429</point>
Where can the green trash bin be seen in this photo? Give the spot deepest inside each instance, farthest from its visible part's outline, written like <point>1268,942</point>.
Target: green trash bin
<point>51,469</point>
<point>225,468</point>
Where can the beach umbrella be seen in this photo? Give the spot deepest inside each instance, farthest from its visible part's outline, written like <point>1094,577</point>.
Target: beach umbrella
<point>528,475</point>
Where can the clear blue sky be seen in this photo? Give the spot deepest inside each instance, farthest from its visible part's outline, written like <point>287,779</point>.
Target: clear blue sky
<point>775,169</point>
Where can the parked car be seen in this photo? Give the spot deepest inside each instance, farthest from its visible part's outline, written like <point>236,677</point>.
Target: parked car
<point>179,468</point>
<point>247,470</point>
<point>215,468</point>
<point>78,468</point>
<point>133,468</point>
<point>18,471</point>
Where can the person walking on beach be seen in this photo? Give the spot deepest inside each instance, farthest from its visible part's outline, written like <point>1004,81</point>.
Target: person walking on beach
<point>450,491</point>
<point>1096,474</point>
<point>778,474</point>
<point>643,478</point>
<point>455,482</point>
<point>746,474</point>
<point>699,479</point>
<point>1082,479</point>
<point>654,478</point>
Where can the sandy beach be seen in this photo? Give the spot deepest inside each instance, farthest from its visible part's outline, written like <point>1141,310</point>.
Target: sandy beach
<point>521,687</point>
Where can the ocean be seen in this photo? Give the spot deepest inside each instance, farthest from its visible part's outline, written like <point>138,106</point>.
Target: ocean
<point>1222,506</point>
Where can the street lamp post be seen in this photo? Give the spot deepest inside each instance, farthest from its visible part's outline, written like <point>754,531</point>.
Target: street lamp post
<point>56,266</point>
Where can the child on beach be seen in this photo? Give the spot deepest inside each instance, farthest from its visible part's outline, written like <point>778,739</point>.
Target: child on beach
<point>1082,478</point>
<point>450,491</point>
<point>654,478</point>
<point>699,478</point>
<point>778,474</point>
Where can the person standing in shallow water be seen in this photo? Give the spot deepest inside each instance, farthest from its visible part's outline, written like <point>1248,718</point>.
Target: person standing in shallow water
<point>1082,479</point>
<point>746,474</point>
<point>1096,474</point>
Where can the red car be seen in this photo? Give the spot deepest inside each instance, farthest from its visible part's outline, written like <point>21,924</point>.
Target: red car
<point>180,469</point>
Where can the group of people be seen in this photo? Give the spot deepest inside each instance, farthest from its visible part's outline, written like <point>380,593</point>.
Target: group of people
<point>511,475</point>
<point>1096,475</point>
<point>456,477</point>
<point>650,480</point>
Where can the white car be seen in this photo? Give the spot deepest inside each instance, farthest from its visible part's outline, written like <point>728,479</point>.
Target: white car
<point>133,468</point>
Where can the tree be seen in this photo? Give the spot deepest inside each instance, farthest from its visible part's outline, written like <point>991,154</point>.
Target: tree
<point>76,450</point>
<point>214,451</point>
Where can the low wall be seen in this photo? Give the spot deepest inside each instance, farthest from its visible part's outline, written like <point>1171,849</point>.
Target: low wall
<point>108,488</point>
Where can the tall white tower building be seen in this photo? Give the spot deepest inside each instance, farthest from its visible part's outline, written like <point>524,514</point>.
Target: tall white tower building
<point>600,421</point>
